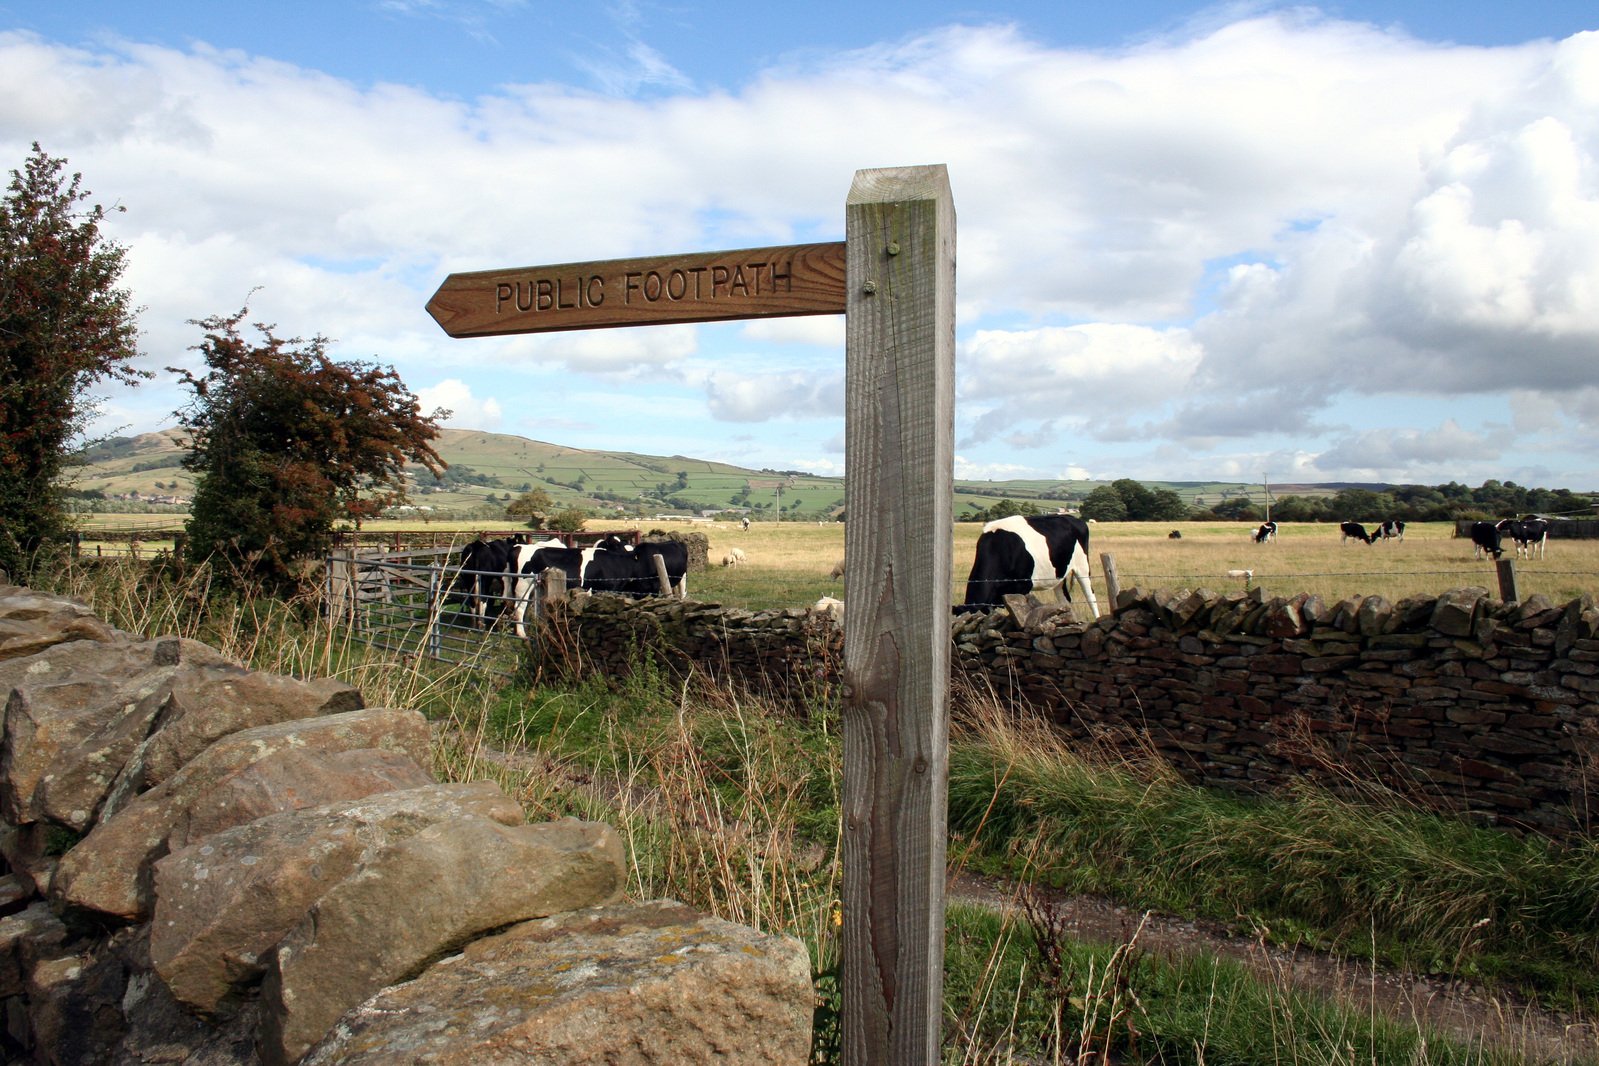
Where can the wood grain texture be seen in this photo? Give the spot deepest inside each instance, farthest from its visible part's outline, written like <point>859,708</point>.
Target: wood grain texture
<point>900,366</point>
<point>802,279</point>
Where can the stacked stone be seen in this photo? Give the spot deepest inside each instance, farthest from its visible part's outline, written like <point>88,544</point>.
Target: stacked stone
<point>1458,701</point>
<point>791,653</point>
<point>210,864</point>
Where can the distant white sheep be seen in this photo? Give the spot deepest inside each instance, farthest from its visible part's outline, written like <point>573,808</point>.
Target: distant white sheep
<point>833,608</point>
<point>1246,576</point>
<point>734,557</point>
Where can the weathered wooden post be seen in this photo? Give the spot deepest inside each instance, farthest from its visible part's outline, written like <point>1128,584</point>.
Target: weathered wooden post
<point>1507,581</point>
<point>899,388</point>
<point>1113,583</point>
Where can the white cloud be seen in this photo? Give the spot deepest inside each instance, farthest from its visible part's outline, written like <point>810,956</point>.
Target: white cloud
<point>466,410</point>
<point>1013,376</point>
<point>1206,237</point>
<point>737,397</point>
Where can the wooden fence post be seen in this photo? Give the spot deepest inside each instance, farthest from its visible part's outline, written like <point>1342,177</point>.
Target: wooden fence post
<point>1113,584</point>
<point>899,389</point>
<point>1507,581</point>
<point>661,576</point>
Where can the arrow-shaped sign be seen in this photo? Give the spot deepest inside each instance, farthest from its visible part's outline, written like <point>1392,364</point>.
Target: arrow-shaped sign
<point>801,279</point>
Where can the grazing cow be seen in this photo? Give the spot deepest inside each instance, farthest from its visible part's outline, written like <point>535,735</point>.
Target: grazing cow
<point>1526,533</point>
<point>522,580</point>
<point>1024,552</point>
<point>598,569</point>
<point>672,553</point>
<point>1485,537</point>
<point>1392,529</point>
<point>1356,531</point>
<point>1175,534</point>
<point>1266,533</point>
<point>478,589</point>
<point>745,522</point>
<point>546,556</point>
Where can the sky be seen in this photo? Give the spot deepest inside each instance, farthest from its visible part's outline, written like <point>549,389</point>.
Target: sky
<point>1349,242</point>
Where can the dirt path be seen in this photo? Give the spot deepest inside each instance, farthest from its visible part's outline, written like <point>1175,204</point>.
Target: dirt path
<point>1464,1013</point>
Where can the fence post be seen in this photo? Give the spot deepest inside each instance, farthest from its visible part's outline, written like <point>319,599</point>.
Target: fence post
<point>661,575</point>
<point>899,406</point>
<point>1113,583</point>
<point>1507,581</point>
<point>551,588</point>
<point>435,637</point>
<point>77,542</point>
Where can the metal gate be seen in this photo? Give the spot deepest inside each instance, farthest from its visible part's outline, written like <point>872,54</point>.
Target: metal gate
<point>421,602</point>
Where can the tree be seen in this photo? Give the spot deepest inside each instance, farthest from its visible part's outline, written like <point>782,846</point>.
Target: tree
<point>64,325</point>
<point>532,505</point>
<point>285,442</point>
<point>1139,501</point>
<point>1104,504</point>
<point>568,520</point>
<point>1166,505</point>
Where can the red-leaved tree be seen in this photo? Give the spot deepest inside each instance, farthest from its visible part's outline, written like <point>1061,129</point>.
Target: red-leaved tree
<point>64,325</point>
<point>285,443</point>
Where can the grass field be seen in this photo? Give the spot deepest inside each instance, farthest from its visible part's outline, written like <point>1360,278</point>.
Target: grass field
<point>787,563</point>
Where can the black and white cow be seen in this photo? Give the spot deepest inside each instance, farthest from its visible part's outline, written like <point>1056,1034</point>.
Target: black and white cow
<point>1024,552</point>
<point>522,580</point>
<point>1526,533</point>
<point>1266,533</point>
<point>479,588</point>
<point>673,553</point>
<point>1485,537</point>
<point>1355,531</point>
<point>1392,529</point>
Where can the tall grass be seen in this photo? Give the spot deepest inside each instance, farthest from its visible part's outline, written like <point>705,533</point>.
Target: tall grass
<point>1375,879</point>
<point>730,804</point>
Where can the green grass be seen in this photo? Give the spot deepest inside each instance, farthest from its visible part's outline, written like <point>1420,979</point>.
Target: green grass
<point>731,805</point>
<point>1372,879</point>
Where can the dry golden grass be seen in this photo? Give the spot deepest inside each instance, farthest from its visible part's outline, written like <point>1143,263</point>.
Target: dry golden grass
<point>795,558</point>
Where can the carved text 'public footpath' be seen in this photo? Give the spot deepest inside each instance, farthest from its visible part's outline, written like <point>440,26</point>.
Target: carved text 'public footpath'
<point>699,287</point>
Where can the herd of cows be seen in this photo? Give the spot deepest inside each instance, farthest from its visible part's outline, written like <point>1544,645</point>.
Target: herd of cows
<point>1014,555</point>
<point>1486,537</point>
<point>496,578</point>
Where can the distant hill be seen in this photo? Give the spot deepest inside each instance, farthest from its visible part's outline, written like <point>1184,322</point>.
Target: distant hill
<point>488,469</point>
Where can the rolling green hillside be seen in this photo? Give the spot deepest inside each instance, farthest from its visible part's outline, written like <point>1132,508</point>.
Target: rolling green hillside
<point>489,469</point>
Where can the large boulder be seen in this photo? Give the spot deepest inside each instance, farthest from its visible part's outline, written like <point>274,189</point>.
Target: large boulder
<point>73,714</point>
<point>109,870</point>
<point>204,705</point>
<point>33,621</point>
<point>638,983</point>
<point>381,925</point>
<point>221,905</point>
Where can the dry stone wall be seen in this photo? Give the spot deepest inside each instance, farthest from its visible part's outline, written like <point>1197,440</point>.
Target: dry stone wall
<point>1461,702</point>
<point>213,865</point>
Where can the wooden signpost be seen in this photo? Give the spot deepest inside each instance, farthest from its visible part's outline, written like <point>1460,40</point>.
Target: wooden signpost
<point>893,277</point>
<point>803,279</point>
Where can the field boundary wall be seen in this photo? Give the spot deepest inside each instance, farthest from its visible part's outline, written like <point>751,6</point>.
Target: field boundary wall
<point>1459,702</point>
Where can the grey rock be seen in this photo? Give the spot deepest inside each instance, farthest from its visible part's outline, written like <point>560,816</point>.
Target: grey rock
<point>109,870</point>
<point>374,928</point>
<point>635,984</point>
<point>221,905</point>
